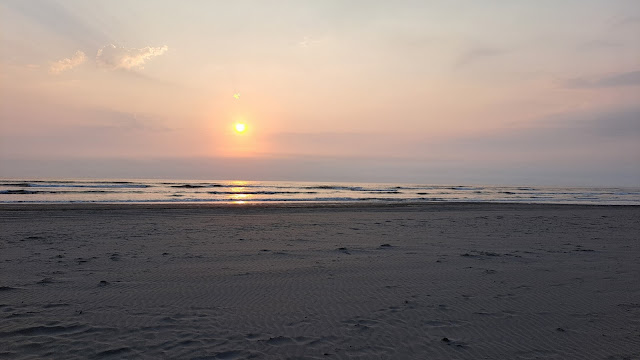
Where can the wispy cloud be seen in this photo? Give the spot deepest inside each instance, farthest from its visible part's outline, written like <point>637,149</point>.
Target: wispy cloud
<point>307,42</point>
<point>116,57</point>
<point>589,131</point>
<point>631,78</point>
<point>68,63</point>
<point>598,45</point>
<point>626,21</point>
<point>125,121</point>
<point>477,54</point>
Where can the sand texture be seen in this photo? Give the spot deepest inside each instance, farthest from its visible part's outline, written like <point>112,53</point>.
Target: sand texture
<point>435,281</point>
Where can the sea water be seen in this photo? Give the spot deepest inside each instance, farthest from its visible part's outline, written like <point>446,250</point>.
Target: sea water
<point>239,192</point>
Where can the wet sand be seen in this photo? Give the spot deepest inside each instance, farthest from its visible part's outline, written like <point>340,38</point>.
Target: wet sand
<point>431,281</point>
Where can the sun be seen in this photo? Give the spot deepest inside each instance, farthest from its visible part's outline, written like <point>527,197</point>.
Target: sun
<point>240,127</point>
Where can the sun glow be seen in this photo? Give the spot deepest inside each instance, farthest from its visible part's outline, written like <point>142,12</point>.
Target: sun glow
<point>240,127</point>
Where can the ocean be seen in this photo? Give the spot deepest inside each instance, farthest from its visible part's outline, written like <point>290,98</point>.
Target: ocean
<point>279,192</point>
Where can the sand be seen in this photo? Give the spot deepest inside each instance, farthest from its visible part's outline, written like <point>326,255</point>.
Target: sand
<point>431,281</point>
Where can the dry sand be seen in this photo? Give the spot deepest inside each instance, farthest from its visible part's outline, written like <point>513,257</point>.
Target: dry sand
<point>436,281</point>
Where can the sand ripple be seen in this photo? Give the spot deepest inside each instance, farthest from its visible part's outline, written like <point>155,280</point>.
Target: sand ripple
<point>443,283</point>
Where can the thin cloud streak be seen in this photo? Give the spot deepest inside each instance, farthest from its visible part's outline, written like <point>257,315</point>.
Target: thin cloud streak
<point>307,42</point>
<point>631,78</point>
<point>477,54</point>
<point>627,21</point>
<point>598,45</point>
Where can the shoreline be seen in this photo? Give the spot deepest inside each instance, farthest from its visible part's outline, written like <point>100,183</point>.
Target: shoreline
<point>301,205</point>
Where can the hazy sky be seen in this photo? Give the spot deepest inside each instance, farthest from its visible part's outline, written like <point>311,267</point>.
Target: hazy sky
<point>506,92</point>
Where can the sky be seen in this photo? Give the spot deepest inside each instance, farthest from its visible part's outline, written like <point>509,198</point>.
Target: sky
<point>466,92</point>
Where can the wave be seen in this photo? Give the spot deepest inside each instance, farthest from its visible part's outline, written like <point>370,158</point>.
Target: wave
<point>203,200</point>
<point>97,185</point>
<point>464,188</point>
<point>18,184</point>
<point>336,187</point>
<point>194,186</point>
<point>423,188</point>
<point>78,185</point>
<point>259,192</point>
<point>23,191</point>
<point>215,185</point>
<point>389,190</point>
<point>17,192</point>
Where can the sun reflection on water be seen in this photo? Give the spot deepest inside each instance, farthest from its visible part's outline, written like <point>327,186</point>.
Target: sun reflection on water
<point>239,195</point>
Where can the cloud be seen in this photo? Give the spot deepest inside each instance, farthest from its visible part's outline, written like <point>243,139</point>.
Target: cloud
<point>116,57</point>
<point>67,64</point>
<point>627,21</point>
<point>126,121</point>
<point>597,45</point>
<point>631,78</point>
<point>586,133</point>
<point>307,42</point>
<point>618,123</point>
<point>477,54</point>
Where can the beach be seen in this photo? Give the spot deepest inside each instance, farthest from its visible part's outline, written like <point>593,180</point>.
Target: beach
<point>403,281</point>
